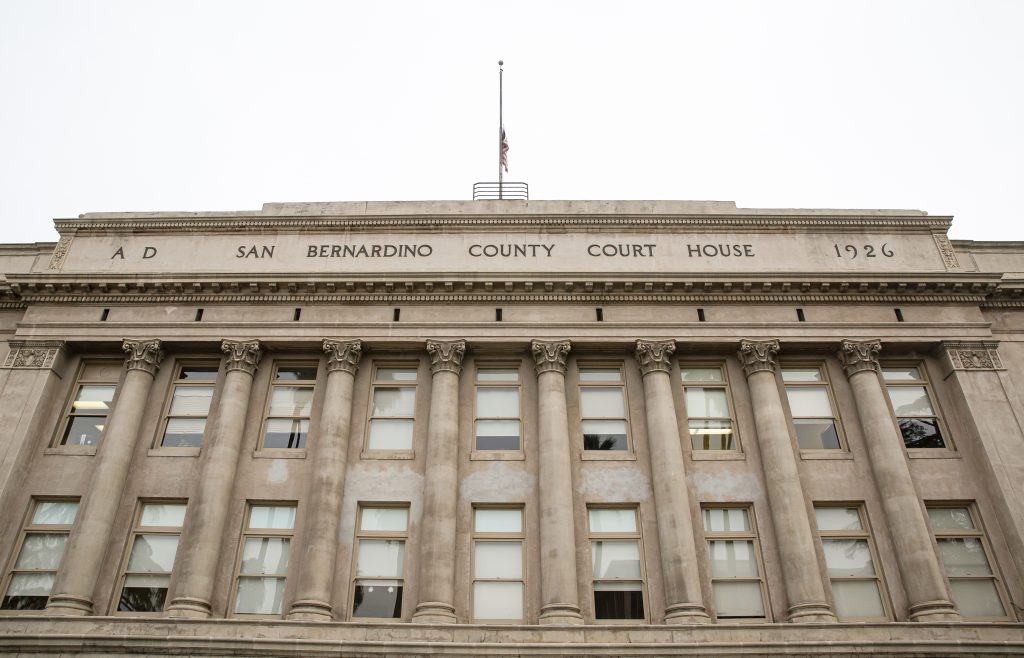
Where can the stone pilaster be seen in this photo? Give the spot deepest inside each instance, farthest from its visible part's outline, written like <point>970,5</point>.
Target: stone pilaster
<point>440,495</point>
<point>88,545</point>
<point>559,594</point>
<point>200,547</point>
<point>927,596</point>
<point>329,453</point>
<point>805,591</point>
<point>684,602</point>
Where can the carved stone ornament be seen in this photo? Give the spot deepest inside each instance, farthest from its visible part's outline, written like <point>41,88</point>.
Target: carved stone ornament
<point>859,355</point>
<point>144,355</point>
<point>243,355</point>
<point>60,252</point>
<point>343,355</point>
<point>758,355</point>
<point>973,356</point>
<point>32,355</point>
<point>446,355</point>
<point>947,252</point>
<point>655,356</point>
<point>549,356</point>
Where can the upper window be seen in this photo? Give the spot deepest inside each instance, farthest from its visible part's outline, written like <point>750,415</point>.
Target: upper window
<point>291,402</point>
<point>42,547</point>
<point>147,575</point>
<point>497,409</point>
<point>190,405</point>
<point>811,408</point>
<point>603,407</point>
<point>498,564</point>
<point>88,411</point>
<point>706,395</point>
<point>617,567</point>
<point>849,558</point>
<point>908,392</point>
<point>735,563</point>
<point>380,562</point>
<point>264,565</point>
<point>974,584</point>
<point>393,410</point>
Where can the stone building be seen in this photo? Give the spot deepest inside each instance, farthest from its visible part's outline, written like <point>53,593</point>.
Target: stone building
<point>508,427</point>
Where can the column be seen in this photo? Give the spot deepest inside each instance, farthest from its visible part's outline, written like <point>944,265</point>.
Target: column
<point>90,541</point>
<point>440,495</point>
<point>560,603</point>
<point>805,591</point>
<point>684,603</point>
<point>927,596</point>
<point>329,455</point>
<point>200,547</point>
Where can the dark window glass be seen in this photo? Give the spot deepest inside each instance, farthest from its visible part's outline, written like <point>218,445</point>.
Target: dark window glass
<point>377,600</point>
<point>84,431</point>
<point>813,434</point>
<point>198,374</point>
<point>921,433</point>
<point>618,605</point>
<point>142,599</point>
<point>24,602</point>
<point>293,373</point>
<point>605,442</point>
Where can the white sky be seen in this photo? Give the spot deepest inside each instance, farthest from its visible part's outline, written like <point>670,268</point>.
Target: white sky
<point>144,105</point>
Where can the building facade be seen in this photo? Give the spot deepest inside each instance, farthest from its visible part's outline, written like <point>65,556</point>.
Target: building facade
<point>524,428</point>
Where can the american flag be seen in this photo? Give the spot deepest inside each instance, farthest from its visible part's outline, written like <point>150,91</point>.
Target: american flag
<point>504,150</point>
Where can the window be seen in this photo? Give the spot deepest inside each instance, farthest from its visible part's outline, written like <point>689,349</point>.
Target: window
<point>811,408</point>
<point>735,563</point>
<point>976,590</point>
<point>498,564</point>
<point>497,409</point>
<point>190,405</point>
<point>42,547</point>
<point>603,406</point>
<point>380,562</point>
<point>908,392</point>
<point>849,559</point>
<point>264,564</point>
<point>393,408</point>
<point>618,570</point>
<point>87,414</point>
<point>291,400</point>
<point>147,575</point>
<point>706,396</point>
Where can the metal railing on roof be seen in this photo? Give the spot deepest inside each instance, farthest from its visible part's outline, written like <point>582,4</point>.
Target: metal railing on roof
<point>503,190</point>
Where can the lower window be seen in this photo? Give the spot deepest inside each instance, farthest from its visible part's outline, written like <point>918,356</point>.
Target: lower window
<point>147,574</point>
<point>735,563</point>
<point>975,588</point>
<point>40,554</point>
<point>380,562</point>
<point>617,567</point>
<point>849,558</point>
<point>265,554</point>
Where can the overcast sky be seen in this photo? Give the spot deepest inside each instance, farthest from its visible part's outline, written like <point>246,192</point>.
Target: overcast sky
<point>135,105</point>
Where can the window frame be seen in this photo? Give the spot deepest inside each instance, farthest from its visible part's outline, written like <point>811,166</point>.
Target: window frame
<point>67,412</point>
<point>298,451</point>
<point>864,534</point>
<point>138,529</point>
<point>736,451</point>
<point>923,381</point>
<point>628,453</point>
<point>169,401</point>
<point>843,451</point>
<point>27,528</point>
<point>637,536</point>
<point>751,535</point>
<point>259,533</point>
<point>497,537</point>
<point>483,454</point>
<point>369,452</point>
<point>359,535</point>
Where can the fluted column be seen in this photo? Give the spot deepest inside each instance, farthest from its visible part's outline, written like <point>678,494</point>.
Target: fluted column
<point>90,542</point>
<point>684,602</point>
<point>923,581</point>
<point>440,495</point>
<point>805,591</point>
<point>200,548</point>
<point>330,459</point>
<point>560,603</point>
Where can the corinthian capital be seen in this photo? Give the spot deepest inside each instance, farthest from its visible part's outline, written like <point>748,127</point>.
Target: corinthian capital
<point>655,356</point>
<point>243,355</point>
<point>859,355</point>
<point>446,355</point>
<point>549,356</point>
<point>343,355</point>
<point>144,355</point>
<point>758,355</point>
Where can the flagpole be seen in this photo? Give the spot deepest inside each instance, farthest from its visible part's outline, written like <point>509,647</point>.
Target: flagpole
<point>501,123</point>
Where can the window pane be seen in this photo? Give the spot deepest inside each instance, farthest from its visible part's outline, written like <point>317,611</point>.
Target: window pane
<point>394,401</point>
<point>950,517</point>
<point>497,375</point>
<point>381,557</point>
<point>94,398</point>
<point>497,600</point>
<point>801,375</point>
<point>184,433</point>
<point>602,402</point>
<point>497,435</point>
<point>812,434</point>
<point>742,599</point>
<point>857,598</point>
<point>701,374</point>
<point>732,558</point>
<point>726,519</point>
<point>277,517</point>
<point>901,374</point>
<point>808,401</point>
<point>198,374</point>
<point>163,514</point>
<point>963,556</point>
<point>837,518</point>
<point>265,555</point>
<point>143,593</point>
<point>291,401</point>
<point>616,559</point>
<point>600,375</point>
<point>28,591</point>
<point>153,553</point>
<point>618,601</point>
<point>54,513</point>
<point>384,519</point>
<point>921,433</point>
<point>261,596</point>
<point>84,430</point>
<point>377,598</point>
<point>711,434</point>
<point>499,520</point>
<point>706,402</point>
<point>390,434</point>
<point>296,373</point>
<point>396,374</point>
<point>910,401</point>
<point>976,598</point>
<point>612,520</point>
<point>286,433</point>
<point>848,557</point>
<point>604,435</point>
<point>191,401</point>
<point>41,551</point>
<point>492,402</point>
<point>498,559</point>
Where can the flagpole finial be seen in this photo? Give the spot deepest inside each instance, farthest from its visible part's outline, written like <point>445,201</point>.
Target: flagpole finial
<point>501,63</point>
